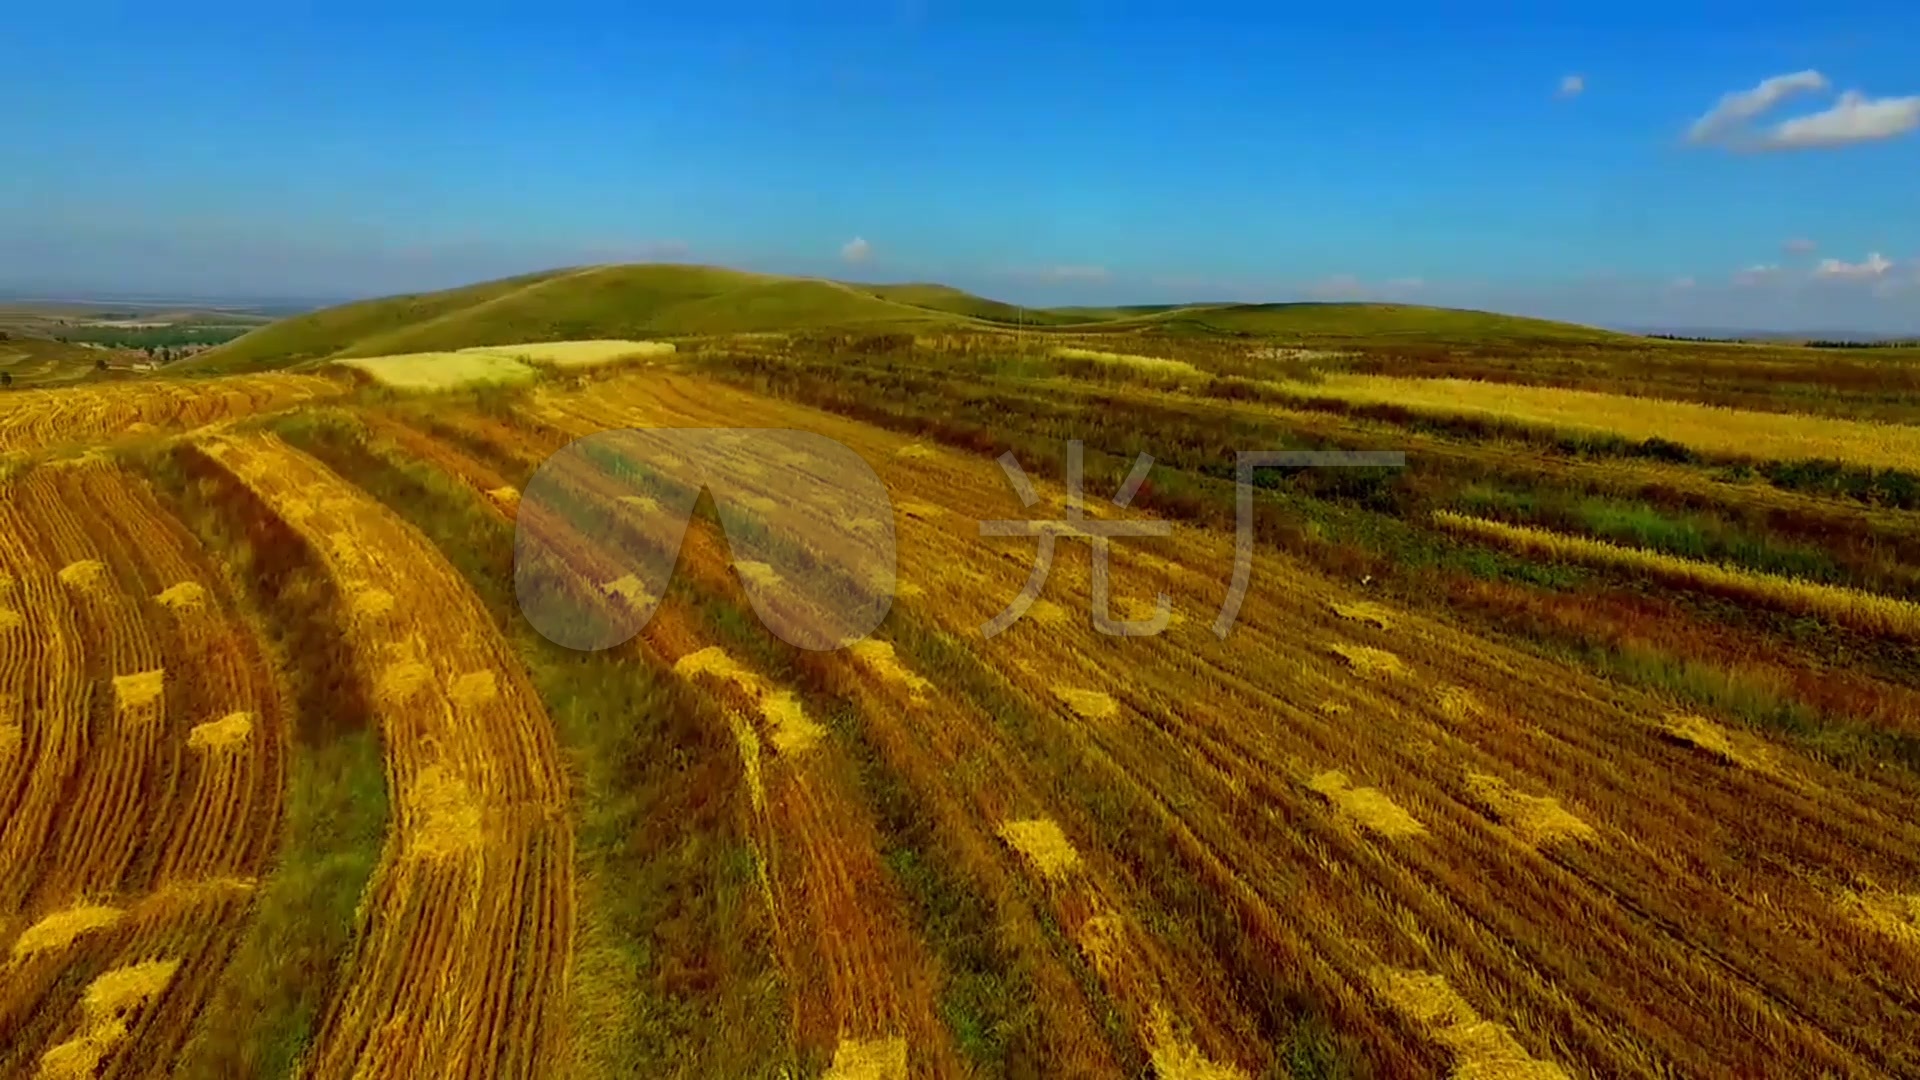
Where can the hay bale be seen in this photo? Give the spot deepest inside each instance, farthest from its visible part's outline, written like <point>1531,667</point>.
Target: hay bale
<point>1367,807</point>
<point>83,574</point>
<point>1535,819</point>
<point>1091,704</point>
<point>444,812</point>
<point>229,731</point>
<point>401,680</point>
<point>1370,662</point>
<point>186,596</point>
<point>139,690</point>
<point>1042,844</point>
<point>791,730</point>
<point>58,930</point>
<point>1365,611</point>
<point>869,1059</point>
<point>475,688</point>
<point>879,657</point>
<point>1482,1049</point>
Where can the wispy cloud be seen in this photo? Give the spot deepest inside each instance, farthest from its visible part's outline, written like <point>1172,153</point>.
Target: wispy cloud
<point>1799,245</point>
<point>1854,118</point>
<point>1873,269</point>
<point>856,250</point>
<point>1682,284</point>
<point>1736,108</point>
<point>1760,274</point>
<point>1573,86</point>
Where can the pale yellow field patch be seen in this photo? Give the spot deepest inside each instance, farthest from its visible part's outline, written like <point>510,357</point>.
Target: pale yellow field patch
<point>1367,807</point>
<point>630,589</point>
<point>1152,365</point>
<point>1708,428</point>
<point>1042,844</point>
<point>1867,611</point>
<point>579,354</point>
<point>441,370</point>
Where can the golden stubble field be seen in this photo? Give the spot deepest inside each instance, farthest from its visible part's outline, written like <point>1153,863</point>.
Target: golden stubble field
<point>1349,839</point>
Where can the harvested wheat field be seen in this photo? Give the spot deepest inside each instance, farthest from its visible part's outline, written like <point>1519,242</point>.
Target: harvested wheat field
<point>350,733</point>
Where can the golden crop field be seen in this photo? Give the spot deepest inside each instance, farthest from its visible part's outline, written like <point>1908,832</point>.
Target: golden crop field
<point>1508,766</point>
<point>441,370</point>
<point>35,419</point>
<point>569,354</point>
<point>1705,428</point>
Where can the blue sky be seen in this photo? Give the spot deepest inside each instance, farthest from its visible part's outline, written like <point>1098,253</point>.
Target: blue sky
<point>1562,163</point>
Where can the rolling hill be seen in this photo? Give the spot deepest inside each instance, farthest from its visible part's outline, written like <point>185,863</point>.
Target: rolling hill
<point>670,300</point>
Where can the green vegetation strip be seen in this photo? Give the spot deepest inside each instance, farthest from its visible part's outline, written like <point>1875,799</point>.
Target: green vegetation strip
<point>673,971</point>
<point>267,1003</point>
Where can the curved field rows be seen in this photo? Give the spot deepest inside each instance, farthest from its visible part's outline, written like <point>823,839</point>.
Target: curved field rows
<point>1379,807</point>
<point>33,419</point>
<point>126,832</point>
<point>991,805</point>
<point>861,986</point>
<point>466,929</point>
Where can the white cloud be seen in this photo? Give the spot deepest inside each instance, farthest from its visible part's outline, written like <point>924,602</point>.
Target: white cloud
<point>1735,109</point>
<point>856,250</point>
<point>1573,86</point>
<point>1799,245</point>
<point>1757,275</point>
<point>1855,118</point>
<point>1873,269</point>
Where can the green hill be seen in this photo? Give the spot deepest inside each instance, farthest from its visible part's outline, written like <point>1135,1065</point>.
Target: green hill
<point>595,302</point>
<point>1326,321</point>
<point>664,300</point>
<point>953,301</point>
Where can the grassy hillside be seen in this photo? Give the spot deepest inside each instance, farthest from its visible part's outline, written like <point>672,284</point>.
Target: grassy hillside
<point>34,361</point>
<point>956,302</point>
<point>651,301</point>
<point>1337,320</point>
<point>330,330</point>
<point>596,302</point>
